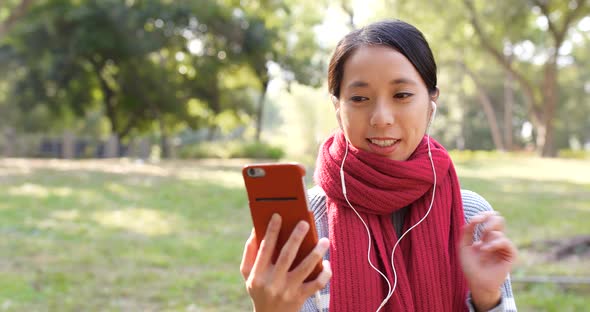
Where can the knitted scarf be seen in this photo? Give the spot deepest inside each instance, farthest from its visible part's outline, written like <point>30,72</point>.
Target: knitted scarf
<point>429,276</point>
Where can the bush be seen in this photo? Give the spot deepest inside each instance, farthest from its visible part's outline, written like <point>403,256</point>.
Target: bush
<point>468,155</point>
<point>231,149</point>
<point>471,155</point>
<point>203,150</point>
<point>257,150</point>
<point>573,154</point>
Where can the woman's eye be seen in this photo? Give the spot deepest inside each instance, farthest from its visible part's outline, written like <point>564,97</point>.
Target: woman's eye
<point>402,95</point>
<point>358,98</point>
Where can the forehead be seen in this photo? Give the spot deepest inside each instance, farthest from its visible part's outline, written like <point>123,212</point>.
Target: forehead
<point>378,63</point>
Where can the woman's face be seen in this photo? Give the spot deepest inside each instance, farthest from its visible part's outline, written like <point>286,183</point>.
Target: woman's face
<point>384,106</point>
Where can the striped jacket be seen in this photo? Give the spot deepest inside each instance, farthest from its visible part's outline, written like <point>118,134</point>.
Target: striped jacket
<point>473,204</point>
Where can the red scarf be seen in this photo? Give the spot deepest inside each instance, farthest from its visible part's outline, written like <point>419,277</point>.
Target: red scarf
<point>429,276</point>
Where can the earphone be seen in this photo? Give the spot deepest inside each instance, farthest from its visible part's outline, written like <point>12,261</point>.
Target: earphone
<point>433,105</point>
<point>391,289</point>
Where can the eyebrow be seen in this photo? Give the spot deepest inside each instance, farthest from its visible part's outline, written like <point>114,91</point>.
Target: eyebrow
<point>360,84</point>
<point>403,81</point>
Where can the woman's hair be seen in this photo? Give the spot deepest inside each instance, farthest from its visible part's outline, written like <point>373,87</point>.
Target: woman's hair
<point>399,35</point>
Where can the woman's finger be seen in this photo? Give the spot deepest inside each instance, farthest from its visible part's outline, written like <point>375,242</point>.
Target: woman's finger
<point>494,223</point>
<point>289,250</point>
<point>249,256</point>
<point>320,282</point>
<point>467,234</point>
<point>486,221</point>
<point>302,271</point>
<point>500,246</point>
<point>267,246</point>
<point>482,217</point>
<point>492,229</point>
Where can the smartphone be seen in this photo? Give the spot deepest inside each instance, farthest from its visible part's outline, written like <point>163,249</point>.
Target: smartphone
<point>280,188</point>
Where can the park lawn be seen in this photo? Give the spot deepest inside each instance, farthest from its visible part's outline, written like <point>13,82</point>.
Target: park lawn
<point>544,201</point>
<point>121,236</point>
<point>101,236</point>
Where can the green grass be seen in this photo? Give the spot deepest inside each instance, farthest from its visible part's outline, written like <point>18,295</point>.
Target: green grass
<point>87,236</point>
<point>119,236</point>
<point>542,200</point>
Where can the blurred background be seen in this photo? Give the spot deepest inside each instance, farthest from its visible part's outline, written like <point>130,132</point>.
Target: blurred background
<point>124,125</point>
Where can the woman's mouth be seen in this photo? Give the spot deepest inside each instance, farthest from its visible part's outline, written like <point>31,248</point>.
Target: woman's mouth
<point>383,146</point>
<point>383,142</point>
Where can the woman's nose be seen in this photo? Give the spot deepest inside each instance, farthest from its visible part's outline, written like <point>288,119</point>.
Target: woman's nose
<point>382,115</point>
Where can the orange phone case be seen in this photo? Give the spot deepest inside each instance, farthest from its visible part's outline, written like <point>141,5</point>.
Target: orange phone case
<point>281,190</point>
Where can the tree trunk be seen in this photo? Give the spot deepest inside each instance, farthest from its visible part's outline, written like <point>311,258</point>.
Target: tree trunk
<point>130,125</point>
<point>108,95</point>
<point>163,137</point>
<point>540,136</point>
<point>488,109</point>
<point>260,109</point>
<point>508,112</point>
<point>550,99</point>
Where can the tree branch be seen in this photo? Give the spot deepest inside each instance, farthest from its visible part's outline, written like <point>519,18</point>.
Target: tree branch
<point>347,8</point>
<point>485,42</point>
<point>559,34</point>
<point>570,18</point>
<point>545,10</point>
<point>18,12</point>
<point>108,94</point>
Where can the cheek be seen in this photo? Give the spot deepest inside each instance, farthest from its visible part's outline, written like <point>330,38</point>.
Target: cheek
<point>354,125</point>
<point>417,120</point>
<point>345,117</point>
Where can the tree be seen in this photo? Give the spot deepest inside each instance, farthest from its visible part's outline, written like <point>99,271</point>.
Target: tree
<point>465,77</point>
<point>67,56</point>
<point>523,38</point>
<point>542,97</point>
<point>281,32</point>
<point>488,107</point>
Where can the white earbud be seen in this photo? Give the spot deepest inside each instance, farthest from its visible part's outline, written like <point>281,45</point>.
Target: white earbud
<point>334,99</point>
<point>337,106</point>
<point>431,116</point>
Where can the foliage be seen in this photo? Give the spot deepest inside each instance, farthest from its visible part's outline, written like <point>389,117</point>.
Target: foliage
<point>231,149</point>
<point>534,41</point>
<point>167,67</point>
<point>574,154</point>
<point>143,64</point>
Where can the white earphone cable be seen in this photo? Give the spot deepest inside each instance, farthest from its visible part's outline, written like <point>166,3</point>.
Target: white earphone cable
<point>415,225</point>
<point>365,224</point>
<point>391,290</point>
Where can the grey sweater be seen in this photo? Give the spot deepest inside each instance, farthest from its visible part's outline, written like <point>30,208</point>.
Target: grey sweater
<point>473,204</point>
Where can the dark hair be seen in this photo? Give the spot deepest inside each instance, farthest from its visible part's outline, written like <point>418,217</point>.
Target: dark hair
<point>399,35</point>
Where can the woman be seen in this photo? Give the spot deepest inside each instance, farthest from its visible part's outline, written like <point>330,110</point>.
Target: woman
<point>399,232</point>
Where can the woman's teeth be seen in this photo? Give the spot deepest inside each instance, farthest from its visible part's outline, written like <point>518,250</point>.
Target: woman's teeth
<point>383,143</point>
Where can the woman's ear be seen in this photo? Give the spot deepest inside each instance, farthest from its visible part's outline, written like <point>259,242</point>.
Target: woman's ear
<point>434,96</point>
<point>336,104</point>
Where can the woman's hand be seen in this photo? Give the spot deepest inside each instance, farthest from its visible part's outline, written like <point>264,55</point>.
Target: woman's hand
<point>486,262</point>
<point>273,287</point>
